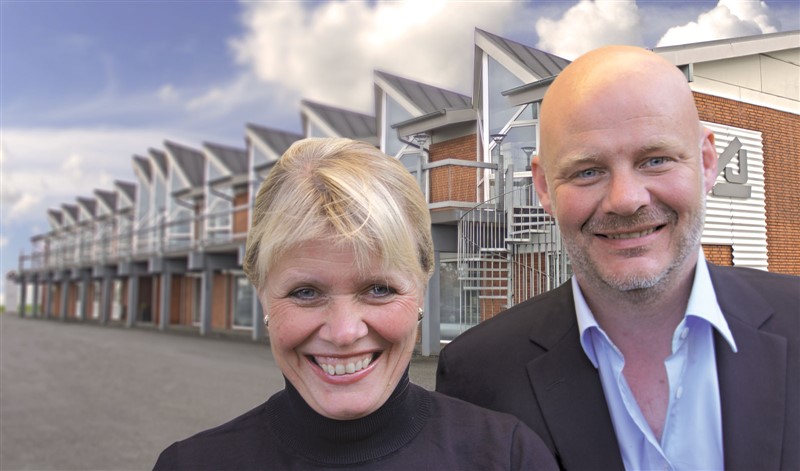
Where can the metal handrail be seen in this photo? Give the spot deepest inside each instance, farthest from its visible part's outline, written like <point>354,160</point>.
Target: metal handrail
<point>509,249</point>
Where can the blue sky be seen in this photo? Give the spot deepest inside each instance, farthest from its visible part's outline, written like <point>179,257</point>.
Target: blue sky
<point>88,84</point>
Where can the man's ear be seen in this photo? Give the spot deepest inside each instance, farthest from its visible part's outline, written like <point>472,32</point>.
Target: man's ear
<point>540,183</point>
<point>708,154</point>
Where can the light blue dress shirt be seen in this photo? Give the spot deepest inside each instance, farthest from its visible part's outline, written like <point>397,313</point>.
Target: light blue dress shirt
<point>692,434</point>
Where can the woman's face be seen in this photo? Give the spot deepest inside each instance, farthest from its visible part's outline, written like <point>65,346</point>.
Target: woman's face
<point>343,337</point>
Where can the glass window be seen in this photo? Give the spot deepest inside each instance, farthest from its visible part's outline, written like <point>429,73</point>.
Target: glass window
<point>215,171</point>
<point>143,201</point>
<point>394,114</point>
<point>315,131</point>
<point>159,194</point>
<point>458,309</point>
<point>242,302</point>
<point>517,138</point>
<point>259,156</point>
<point>175,181</point>
<point>500,80</point>
<point>218,222</point>
<point>96,291</point>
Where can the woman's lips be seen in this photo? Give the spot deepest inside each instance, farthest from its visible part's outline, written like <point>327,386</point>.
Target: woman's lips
<point>341,366</point>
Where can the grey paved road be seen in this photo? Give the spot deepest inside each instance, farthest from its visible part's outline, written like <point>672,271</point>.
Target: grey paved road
<point>85,397</point>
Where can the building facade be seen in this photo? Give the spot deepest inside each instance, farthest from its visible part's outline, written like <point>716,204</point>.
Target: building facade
<point>165,250</point>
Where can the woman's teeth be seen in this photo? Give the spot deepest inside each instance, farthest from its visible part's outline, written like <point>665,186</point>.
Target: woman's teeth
<point>339,369</point>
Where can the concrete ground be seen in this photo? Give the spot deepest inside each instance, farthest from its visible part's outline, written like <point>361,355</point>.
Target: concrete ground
<point>86,397</point>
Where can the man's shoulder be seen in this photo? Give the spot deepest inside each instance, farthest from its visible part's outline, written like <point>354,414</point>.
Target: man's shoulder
<point>759,298</point>
<point>769,285</point>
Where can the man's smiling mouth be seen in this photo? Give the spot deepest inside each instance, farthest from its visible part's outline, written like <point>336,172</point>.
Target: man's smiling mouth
<point>632,235</point>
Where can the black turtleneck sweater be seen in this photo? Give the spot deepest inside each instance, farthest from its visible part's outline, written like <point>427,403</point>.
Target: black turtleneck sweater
<point>414,429</point>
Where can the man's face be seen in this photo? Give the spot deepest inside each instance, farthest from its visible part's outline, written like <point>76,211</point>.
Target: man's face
<point>626,177</point>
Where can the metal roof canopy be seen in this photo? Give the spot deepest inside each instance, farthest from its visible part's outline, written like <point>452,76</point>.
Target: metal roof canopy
<point>341,122</point>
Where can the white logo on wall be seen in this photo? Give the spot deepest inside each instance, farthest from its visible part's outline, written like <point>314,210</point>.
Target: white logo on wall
<point>735,184</point>
<point>735,214</point>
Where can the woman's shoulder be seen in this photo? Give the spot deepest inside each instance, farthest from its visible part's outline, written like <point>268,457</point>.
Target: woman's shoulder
<point>485,436</point>
<point>207,448</point>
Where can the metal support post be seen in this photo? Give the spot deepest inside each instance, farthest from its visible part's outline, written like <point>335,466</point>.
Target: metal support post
<point>105,298</point>
<point>64,290</point>
<point>23,289</point>
<point>166,295</point>
<point>206,285</point>
<point>133,300</point>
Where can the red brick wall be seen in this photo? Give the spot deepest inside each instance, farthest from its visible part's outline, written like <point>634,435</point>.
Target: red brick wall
<point>90,301</point>
<point>187,300</point>
<point>719,254</point>
<point>72,297</point>
<point>176,300</point>
<point>220,302</point>
<point>781,141</point>
<point>56,294</point>
<point>452,183</point>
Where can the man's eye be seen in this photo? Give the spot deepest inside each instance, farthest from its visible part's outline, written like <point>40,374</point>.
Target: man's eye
<point>655,161</point>
<point>588,173</point>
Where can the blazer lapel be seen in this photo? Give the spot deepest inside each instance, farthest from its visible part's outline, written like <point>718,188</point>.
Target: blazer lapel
<point>752,382</point>
<point>568,390</point>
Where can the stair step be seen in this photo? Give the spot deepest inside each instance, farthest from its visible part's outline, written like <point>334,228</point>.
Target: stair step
<point>484,288</point>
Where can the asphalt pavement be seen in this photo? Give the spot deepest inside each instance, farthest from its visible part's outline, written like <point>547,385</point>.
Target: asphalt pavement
<point>79,396</point>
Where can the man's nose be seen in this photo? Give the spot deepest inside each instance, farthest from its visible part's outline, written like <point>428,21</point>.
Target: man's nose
<point>626,194</point>
<point>344,323</point>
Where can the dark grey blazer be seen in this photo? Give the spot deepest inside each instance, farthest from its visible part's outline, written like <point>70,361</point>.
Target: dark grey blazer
<point>528,361</point>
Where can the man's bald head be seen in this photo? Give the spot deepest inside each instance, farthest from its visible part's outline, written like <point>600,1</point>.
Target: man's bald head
<point>612,76</point>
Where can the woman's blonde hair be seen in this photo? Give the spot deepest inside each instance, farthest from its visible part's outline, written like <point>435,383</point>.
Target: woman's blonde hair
<point>343,192</point>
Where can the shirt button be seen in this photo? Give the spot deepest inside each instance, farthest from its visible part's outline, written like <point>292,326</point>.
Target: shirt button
<point>685,333</point>
<point>679,392</point>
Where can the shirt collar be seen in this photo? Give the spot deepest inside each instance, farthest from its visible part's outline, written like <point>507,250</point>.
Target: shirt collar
<point>702,304</point>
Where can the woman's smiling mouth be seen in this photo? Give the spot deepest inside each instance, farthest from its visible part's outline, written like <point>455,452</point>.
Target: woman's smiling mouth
<point>343,366</point>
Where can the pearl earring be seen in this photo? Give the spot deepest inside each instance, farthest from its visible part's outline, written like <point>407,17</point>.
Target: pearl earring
<point>266,320</point>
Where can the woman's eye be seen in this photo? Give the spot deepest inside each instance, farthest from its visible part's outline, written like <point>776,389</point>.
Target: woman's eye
<point>304,293</point>
<point>380,290</point>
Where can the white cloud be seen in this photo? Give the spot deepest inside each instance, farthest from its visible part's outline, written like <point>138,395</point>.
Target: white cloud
<point>327,52</point>
<point>168,93</point>
<point>3,241</point>
<point>588,25</point>
<point>43,168</point>
<point>730,18</point>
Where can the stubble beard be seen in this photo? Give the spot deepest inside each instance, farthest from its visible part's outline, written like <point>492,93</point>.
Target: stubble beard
<point>637,287</point>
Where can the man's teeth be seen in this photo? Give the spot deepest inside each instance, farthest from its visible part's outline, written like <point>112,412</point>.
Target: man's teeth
<point>631,235</point>
<point>345,368</point>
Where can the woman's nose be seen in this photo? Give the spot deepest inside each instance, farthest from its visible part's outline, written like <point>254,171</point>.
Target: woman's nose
<point>626,194</point>
<point>344,324</point>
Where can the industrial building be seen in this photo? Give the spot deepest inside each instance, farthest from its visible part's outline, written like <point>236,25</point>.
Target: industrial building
<point>165,248</point>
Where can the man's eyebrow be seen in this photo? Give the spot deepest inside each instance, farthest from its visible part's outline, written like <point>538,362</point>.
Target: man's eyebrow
<point>580,158</point>
<point>657,146</point>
